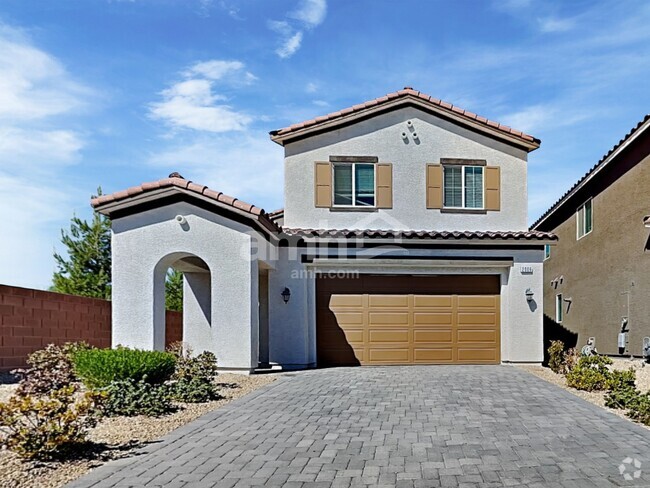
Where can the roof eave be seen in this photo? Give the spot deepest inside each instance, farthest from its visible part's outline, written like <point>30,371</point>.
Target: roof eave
<point>281,138</point>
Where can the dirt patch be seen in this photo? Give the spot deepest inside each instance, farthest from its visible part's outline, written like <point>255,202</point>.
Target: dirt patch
<point>118,437</point>
<point>597,397</point>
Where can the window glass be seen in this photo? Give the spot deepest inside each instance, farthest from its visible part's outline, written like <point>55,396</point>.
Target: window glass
<point>588,217</point>
<point>364,182</point>
<point>342,184</point>
<point>581,222</point>
<point>473,187</point>
<point>547,251</point>
<point>558,309</point>
<point>453,189</point>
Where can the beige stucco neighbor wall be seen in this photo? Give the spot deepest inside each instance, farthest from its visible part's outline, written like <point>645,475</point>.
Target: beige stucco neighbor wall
<point>607,272</point>
<point>146,243</point>
<point>381,136</point>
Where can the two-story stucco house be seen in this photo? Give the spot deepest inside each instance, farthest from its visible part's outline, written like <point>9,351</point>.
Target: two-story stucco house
<point>598,276</point>
<point>403,240</point>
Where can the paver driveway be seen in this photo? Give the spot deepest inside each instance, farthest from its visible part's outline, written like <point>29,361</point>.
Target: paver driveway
<point>396,426</point>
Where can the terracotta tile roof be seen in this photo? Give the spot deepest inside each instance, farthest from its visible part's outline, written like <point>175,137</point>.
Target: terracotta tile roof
<point>177,181</point>
<point>603,161</point>
<point>421,234</point>
<point>276,214</point>
<point>407,92</point>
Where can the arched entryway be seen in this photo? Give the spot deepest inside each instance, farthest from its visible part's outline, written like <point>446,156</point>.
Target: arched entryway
<point>197,300</point>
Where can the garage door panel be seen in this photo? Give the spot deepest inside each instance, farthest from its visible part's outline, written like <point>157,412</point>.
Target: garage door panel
<point>392,355</point>
<point>383,301</point>
<point>399,320</point>
<point>477,335</point>
<point>473,318</point>
<point>345,301</point>
<point>488,302</point>
<point>423,318</point>
<point>388,318</point>
<point>439,336</point>
<point>433,355</point>
<point>469,354</point>
<point>388,336</point>
<point>349,318</point>
<point>432,301</point>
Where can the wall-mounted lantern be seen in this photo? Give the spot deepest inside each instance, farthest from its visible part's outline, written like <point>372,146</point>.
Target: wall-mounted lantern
<point>286,294</point>
<point>529,295</point>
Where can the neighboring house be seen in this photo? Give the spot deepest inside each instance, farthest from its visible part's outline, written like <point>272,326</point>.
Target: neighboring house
<point>597,278</point>
<point>403,240</point>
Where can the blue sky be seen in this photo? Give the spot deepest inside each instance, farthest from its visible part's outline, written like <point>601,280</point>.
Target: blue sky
<point>114,93</point>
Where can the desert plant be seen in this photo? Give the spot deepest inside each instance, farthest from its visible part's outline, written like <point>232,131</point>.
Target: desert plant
<point>556,357</point>
<point>98,368</point>
<point>50,369</point>
<point>640,409</point>
<point>622,398</point>
<point>571,358</point>
<point>192,379</point>
<point>47,426</point>
<point>621,379</point>
<point>591,373</point>
<point>131,397</point>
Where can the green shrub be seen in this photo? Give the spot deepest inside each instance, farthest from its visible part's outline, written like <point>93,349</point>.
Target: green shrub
<point>622,398</point>
<point>621,379</point>
<point>50,369</point>
<point>98,368</point>
<point>131,397</point>
<point>193,375</point>
<point>556,357</point>
<point>47,426</point>
<point>640,410</point>
<point>591,373</point>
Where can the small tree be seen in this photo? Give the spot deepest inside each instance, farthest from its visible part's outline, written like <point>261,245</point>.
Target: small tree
<point>174,290</point>
<point>86,270</point>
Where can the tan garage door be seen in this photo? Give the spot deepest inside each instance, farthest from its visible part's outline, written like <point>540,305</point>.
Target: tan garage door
<point>374,320</point>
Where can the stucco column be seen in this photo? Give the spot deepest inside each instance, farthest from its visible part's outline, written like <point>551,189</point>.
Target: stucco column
<point>197,312</point>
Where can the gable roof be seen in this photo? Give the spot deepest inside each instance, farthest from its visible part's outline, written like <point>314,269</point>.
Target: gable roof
<point>391,101</point>
<point>176,184</point>
<point>605,161</point>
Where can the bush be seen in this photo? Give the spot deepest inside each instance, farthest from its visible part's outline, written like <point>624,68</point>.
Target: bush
<point>621,380</point>
<point>47,426</point>
<point>131,397</point>
<point>591,373</point>
<point>640,409</point>
<point>622,398</point>
<point>193,375</point>
<point>98,368</point>
<point>51,369</point>
<point>571,358</point>
<point>556,359</point>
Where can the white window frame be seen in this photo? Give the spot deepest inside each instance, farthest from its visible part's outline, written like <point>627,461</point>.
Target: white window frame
<point>559,310</point>
<point>547,251</point>
<point>462,186</point>
<point>354,205</point>
<point>581,215</point>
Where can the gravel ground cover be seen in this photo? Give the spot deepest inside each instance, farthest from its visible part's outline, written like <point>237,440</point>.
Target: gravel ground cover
<point>117,437</point>
<point>597,397</point>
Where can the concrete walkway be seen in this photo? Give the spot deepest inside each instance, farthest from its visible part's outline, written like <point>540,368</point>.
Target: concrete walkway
<point>467,426</point>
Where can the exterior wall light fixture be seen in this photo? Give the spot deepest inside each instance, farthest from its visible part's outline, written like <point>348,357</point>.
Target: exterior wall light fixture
<point>529,295</point>
<point>286,294</point>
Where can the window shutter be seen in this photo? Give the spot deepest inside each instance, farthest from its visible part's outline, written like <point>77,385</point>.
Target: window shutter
<point>492,188</point>
<point>385,185</point>
<point>323,184</point>
<point>434,186</point>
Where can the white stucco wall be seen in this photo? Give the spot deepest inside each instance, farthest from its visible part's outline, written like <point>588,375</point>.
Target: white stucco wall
<point>381,136</point>
<point>145,244</point>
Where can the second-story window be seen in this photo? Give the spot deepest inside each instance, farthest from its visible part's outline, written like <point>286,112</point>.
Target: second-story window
<point>463,186</point>
<point>584,219</point>
<point>354,184</point>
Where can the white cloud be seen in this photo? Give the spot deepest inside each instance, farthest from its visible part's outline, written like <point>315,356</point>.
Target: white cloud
<point>321,103</point>
<point>308,15</point>
<point>551,24</point>
<point>244,165</point>
<point>192,103</point>
<point>310,12</point>
<point>290,45</point>
<point>35,90</point>
<point>311,87</point>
